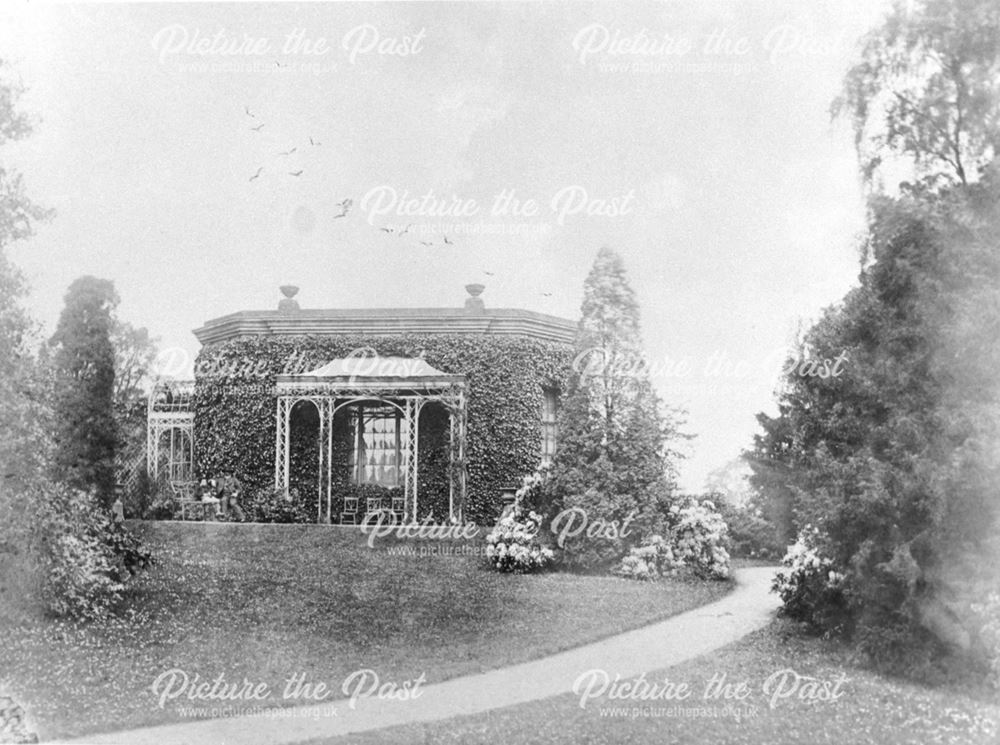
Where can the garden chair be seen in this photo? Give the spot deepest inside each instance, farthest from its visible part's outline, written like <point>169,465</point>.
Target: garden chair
<point>398,507</point>
<point>373,504</point>
<point>350,513</point>
<point>184,491</point>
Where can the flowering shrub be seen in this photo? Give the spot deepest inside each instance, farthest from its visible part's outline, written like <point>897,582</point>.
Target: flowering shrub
<point>695,542</point>
<point>811,590</point>
<point>697,539</point>
<point>650,561</point>
<point>511,545</point>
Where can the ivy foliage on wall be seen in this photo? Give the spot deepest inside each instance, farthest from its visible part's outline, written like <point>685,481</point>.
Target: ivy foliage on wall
<point>235,405</point>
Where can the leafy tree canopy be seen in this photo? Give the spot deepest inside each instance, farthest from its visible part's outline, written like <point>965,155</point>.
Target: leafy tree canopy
<point>927,89</point>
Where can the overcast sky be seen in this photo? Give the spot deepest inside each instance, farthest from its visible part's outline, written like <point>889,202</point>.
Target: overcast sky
<point>696,134</point>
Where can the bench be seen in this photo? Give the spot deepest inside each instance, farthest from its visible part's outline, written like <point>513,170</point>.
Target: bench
<point>194,504</point>
<point>185,491</point>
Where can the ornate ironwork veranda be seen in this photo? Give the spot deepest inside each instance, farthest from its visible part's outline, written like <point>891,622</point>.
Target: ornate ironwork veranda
<point>404,384</point>
<point>170,430</point>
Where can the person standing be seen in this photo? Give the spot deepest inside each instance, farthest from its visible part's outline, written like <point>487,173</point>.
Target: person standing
<point>231,487</point>
<point>118,508</point>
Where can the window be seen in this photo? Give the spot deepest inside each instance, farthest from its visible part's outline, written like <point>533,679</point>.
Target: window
<point>375,432</point>
<point>550,428</point>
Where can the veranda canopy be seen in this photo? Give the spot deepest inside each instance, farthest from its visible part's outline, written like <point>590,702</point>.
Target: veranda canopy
<point>405,383</point>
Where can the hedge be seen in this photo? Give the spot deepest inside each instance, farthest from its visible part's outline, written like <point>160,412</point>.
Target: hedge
<point>506,376</point>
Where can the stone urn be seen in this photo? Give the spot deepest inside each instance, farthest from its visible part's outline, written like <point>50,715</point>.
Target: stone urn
<point>288,303</point>
<point>474,302</point>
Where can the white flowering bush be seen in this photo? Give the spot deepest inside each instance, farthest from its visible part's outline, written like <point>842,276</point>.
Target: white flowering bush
<point>698,537</point>
<point>810,587</point>
<point>696,542</point>
<point>650,561</point>
<point>511,545</point>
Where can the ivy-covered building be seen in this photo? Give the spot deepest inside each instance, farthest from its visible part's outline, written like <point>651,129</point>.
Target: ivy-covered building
<point>425,411</point>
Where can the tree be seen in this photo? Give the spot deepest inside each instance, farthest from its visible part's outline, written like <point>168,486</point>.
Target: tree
<point>135,352</point>
<point>55,547</point>
<point>25,448</point>
<point>85,371</point>
<point>614,459</point>
<point>926,89</point>
<point>893,461</point>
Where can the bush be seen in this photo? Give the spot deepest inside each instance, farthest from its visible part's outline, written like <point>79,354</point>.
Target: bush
<point>695,542</point>
<point>811,591</point>
<point>271,505</point>
<point>595,550</point>
<point>511,545</point>
<point>79,580</point>
<point>129,557</point>
<point>532,494</point>
<point>697,538</point>
<point>161,504</point>
<point>751,534</point>
<point>86,559</point>
<point>650,561</point>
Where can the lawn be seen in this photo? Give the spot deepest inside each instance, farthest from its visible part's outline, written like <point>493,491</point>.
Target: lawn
<point>266,602</point>
<point>869,709</point>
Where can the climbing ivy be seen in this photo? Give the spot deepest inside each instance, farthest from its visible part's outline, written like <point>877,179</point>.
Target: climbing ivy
<point>235,406</point>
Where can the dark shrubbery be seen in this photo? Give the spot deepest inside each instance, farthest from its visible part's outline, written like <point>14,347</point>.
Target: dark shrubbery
<point>86,560</point>
<point>751,534</point>
<point>129,557</point>
<point>270,505</point>
<point>892,459</point>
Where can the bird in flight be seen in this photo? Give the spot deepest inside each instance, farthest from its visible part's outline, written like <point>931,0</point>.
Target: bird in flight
<point>279,64</point>
<point>488,274</point>
<point>256,175</point>
<point>426,243</point>
<point>289,152</point>
<point>546,294</point>
<point>258,128</point>
<point>387,230</point>
<point>247,109</point>
<point>345,207</point>
<point>447,242</point>
<point>314,142</point>
<point>406,229</point>
<point>295,173</point>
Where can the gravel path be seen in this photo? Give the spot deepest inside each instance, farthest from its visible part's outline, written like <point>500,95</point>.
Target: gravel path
<point>677,639</point>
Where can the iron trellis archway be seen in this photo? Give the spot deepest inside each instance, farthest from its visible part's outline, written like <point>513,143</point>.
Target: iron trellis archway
<point>170,411</point>
<point>404,384</point>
